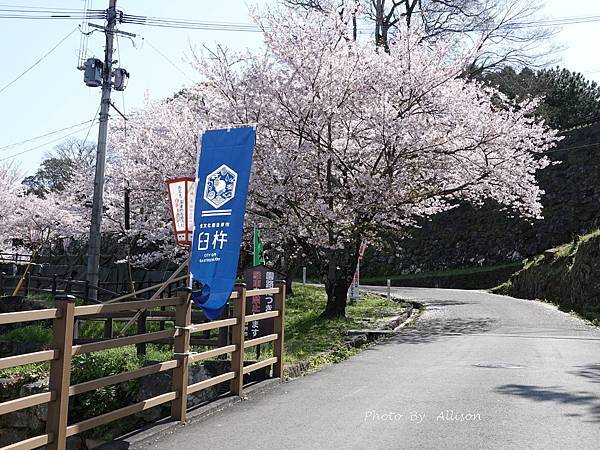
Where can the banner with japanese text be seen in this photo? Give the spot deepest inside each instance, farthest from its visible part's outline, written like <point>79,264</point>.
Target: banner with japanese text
<point>224,166</point>
<point>260,277</point>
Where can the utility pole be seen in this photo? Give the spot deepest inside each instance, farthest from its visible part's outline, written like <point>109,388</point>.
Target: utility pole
<point>93,263</point>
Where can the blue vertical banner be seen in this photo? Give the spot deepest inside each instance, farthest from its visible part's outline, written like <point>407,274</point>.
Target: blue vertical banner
<point>224,166</point>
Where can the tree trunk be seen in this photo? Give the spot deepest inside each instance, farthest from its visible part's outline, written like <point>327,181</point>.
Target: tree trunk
<point>288,281</point>
<point>337,292</point>
<point>341,267</point>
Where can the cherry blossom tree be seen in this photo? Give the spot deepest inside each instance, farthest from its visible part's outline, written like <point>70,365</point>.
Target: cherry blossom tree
<point>353,140</point>
<point>9,187</point>
<point>28,219</point>
<point>159,141</point>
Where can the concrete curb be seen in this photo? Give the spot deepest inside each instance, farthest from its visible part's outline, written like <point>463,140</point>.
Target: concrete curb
<point>146,436</point>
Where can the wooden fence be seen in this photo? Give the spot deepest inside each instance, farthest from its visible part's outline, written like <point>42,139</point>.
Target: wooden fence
<point>63,349</point>
<point>52,285</point>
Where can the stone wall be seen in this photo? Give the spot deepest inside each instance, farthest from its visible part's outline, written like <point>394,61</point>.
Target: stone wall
<point>568,275</point>
<point>469,236</point>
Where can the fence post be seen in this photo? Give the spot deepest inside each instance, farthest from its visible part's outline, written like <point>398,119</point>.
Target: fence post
<point>27,284</point>
<point>279,328</point>
<point>224,331</point>
<point>389,289</point>
<point>60,371</point>
<point>108,328</point>
<point>54,287</point>
<point>181,348</point>
<point>86,293</point>
<point>2,283</point>
<point>161,325</point>
<point>237,339</point>
<point>141,329</point>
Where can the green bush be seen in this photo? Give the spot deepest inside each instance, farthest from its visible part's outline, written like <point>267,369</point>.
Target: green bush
<point>91,366</point>
<point>27,373</point>
<point>35,334</point>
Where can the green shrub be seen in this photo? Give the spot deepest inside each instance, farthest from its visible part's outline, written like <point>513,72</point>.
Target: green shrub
<point>35,334</point>
<point>27,373</point>
<point>91,366</point>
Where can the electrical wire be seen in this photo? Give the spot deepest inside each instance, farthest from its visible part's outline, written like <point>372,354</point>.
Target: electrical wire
<point>577,147</point>
<point>24,12</point>
<point>77,16</point>
<point>45,143</point>
<point>93,121</point>
<point>122,92</point>
<point>188,24</point>
<point>16,144</point>
<point>39,60</point>
<point>38,8</point>
<point>85,34</point>
<point>225,26</point>
<point>40,12</point>
<point>169,60</point>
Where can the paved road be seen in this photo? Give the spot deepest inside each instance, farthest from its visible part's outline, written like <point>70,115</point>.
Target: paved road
<point>476,371</point>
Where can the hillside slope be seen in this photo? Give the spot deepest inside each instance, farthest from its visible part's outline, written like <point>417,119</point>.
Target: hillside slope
<point>568,275</point>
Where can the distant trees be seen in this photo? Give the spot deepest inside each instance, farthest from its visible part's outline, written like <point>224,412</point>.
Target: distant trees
<point>59,166</point>
<point>568,99</point>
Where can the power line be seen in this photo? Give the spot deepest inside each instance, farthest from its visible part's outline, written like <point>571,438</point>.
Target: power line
<point>122,92</point>
<point>33,13</point>
<point>168,60</point>
<point>38,61</point>
<point>85,34</point>
<point>225,26</point>
<point>44,135</point>
<point>45,143</point>
<point>93,121</point>
<point>40,12</point>
<point>37,16</point>
<point>577,147</point>
<point>38,8</point>
<point>188,24</point>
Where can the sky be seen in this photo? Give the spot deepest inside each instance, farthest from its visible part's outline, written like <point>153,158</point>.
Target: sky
<point>52,96</point>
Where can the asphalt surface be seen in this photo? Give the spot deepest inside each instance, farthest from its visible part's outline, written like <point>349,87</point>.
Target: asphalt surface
<point>475,371</point>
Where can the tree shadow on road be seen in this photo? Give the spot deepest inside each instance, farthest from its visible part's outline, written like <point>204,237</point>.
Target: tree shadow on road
<point>556,394</point>
<point>438,302</point>
<point>590,371</point>
<point>433,329</point>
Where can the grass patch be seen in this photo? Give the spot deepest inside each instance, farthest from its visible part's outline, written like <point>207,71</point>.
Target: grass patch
<point>307,334</point>
<point>42,297</point>
<point>591,317</point>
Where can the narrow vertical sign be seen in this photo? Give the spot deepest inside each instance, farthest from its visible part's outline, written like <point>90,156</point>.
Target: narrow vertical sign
<point>223,175</point>
<point>260,277</point>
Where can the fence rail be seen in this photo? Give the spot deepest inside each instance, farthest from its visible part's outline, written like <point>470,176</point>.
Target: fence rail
<point>14,258</point>
<point>107,291</point>
<point>64,317</point>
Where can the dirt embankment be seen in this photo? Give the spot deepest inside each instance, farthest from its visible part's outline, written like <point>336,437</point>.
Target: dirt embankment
<point>568,275</point>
